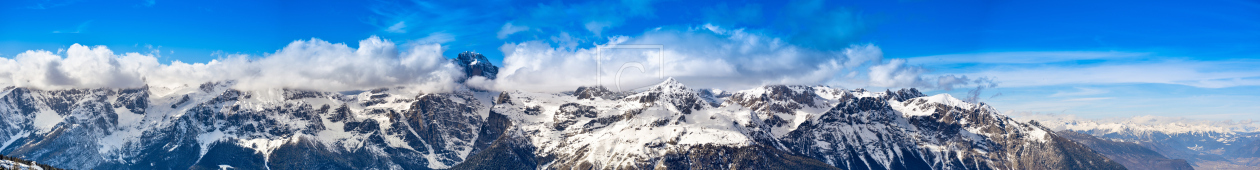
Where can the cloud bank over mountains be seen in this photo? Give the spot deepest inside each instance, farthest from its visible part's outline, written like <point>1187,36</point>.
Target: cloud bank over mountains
<point>303,64</point>
<point>706,57</point>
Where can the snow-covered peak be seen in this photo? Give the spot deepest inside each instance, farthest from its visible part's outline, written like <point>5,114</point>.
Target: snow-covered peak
<point>669,86</point>
<point>945,98</point>
<point>778,98</point>
<point>670,92</point>
<point>929,105</point>
<point>475,64</point>
<point>767,89</point>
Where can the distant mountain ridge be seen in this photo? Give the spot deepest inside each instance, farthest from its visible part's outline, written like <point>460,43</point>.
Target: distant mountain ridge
<point>1131,155</point>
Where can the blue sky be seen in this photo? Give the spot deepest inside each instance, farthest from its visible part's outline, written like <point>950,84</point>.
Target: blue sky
<point>1090,58</point>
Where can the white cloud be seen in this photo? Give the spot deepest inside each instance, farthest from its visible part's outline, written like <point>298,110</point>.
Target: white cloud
<point>322,65</point>
<point>436,38</point>
<point>400,27</point>
<point>597,27</point>
<point>313,64</point>
<point>702,57</point>
<point>859,55</point>
<point>509,29</point>
<point>896,74</point>
<point>83,66</point>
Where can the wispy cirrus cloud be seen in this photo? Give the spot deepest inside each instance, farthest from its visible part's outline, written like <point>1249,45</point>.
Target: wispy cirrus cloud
<point>49,4</point>
<point>1203,74</point>
<point>1088,99</point>
<point>149,3</point>
<point>1049,68</point>
<point>78,29</point>
<point>1024,57</point>
<point>423,19</point>
<point>596,18</point>
<point>1080,92</point>
<point>509,29</point>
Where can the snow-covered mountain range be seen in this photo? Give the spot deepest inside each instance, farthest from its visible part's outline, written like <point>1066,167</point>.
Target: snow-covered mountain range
<point>665,126</point>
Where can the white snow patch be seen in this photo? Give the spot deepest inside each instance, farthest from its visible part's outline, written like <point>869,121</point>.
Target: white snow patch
<point>397,142</point>
<point>1036,134</point>
<point>945,98</point>
<point>265,146</point>
<point>128,123</point>
<point>45,120</point>
<point>205,139</point>
<point>14,138</point>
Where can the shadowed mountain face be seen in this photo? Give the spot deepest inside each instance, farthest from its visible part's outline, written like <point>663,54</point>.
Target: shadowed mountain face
<point>1131,155</point>
<point>668,126</point>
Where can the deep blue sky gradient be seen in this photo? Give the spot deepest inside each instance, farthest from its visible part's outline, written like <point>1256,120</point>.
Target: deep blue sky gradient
<point>1205,29</point>
<point>1206,32</point>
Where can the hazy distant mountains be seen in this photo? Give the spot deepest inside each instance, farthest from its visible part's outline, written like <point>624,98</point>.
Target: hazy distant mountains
<point>1201,144</point>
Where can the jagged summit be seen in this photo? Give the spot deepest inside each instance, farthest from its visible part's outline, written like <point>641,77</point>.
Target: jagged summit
<point>903,94</point>
<point>669,85</point>
<point>670,92</point>
<point>596,92</point>
<point>777,98</point>
<point>475,64</point>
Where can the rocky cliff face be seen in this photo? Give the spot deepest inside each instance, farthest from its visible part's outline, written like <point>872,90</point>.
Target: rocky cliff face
<point>668,126</point>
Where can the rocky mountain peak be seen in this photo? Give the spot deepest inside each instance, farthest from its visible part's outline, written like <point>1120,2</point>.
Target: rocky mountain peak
<point>475,64</point>
<point>592,92</point>
<point>670,92</point>
<point>776,98</point>
<point>669,85</point>
<point>904,94</point>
